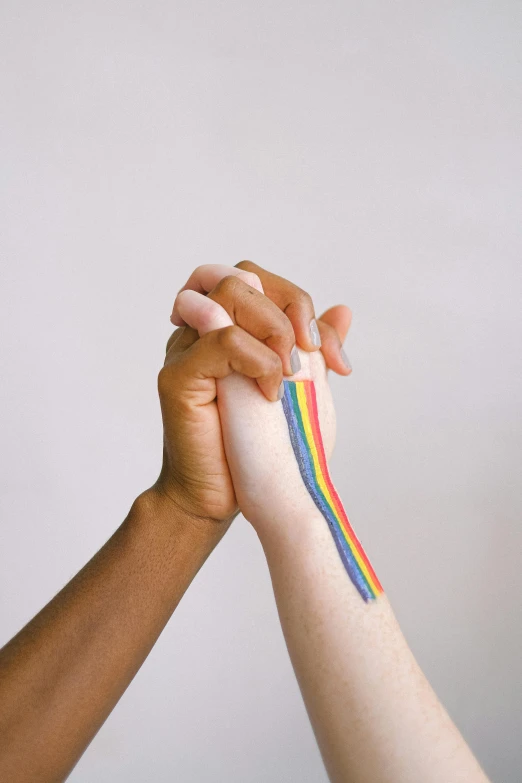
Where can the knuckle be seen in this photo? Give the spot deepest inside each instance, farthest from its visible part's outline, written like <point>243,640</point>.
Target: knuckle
<point>304,299</point>
<point>227,285</point>
<point>251,279</point>
<point>273,364</point>
<point>175,337</point>
<point>248,266</point>
<point>283,331</point>
<point>165,381</point>
<point>229,338</point>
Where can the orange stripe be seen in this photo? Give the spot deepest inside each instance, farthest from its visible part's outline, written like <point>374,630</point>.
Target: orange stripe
<point>345,522</point>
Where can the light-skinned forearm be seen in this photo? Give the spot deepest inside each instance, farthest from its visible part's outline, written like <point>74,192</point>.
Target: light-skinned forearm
<point>63,673</point>
<point>375,716</point>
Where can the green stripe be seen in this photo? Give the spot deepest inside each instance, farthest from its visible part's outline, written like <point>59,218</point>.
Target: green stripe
<point>299,417</point>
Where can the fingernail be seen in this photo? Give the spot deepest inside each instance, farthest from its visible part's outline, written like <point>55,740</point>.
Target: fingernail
<point>295,361</point>
<point>345,359</point>
<point>281,390</point>
<point>314,333</point>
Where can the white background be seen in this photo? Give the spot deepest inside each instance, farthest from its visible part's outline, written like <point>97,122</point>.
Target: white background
<point>369,151</point>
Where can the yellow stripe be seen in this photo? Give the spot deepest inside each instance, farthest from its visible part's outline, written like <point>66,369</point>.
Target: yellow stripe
<point>303,407</point>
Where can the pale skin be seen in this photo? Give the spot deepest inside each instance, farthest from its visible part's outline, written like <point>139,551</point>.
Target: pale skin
<point>374,714</point>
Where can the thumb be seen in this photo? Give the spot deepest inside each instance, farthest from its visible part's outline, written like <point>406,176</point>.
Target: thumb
<point>339,317</point>
<point>200,312</point>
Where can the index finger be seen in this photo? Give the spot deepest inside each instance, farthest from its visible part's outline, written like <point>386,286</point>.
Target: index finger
<point>206,277</point>
<point>293,301</point>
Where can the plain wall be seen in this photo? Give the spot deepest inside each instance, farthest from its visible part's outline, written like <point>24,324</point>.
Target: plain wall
<point>371,152</point>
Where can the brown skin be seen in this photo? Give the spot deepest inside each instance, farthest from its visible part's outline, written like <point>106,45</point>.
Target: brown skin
<point>297,305</point>
<point>63,673</point>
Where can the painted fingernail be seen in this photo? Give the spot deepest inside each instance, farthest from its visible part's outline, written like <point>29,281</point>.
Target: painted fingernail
<point>295,361</point>
<point>281,390</point>
<point>314,333</point>
<point>345,359</point>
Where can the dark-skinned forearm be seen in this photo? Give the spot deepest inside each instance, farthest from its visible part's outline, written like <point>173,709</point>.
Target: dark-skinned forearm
<point>62,674</point>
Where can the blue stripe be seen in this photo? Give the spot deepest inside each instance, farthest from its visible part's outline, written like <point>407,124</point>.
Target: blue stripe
<point>307,470</point>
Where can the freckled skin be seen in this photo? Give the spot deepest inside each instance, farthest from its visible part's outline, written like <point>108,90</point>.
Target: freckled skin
<point>374,714</point>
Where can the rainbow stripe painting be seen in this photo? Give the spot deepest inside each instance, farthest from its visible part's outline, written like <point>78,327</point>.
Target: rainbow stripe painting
<point>300,408</point>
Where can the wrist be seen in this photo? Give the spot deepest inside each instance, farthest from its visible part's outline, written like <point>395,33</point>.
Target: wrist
<point>155,511</point>
<point>288,527</point>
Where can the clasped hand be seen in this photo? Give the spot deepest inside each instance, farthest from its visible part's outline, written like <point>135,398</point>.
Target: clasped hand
<point>241,330</point>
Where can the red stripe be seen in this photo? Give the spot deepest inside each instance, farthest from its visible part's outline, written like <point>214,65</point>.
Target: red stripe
<point>314,419</point>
